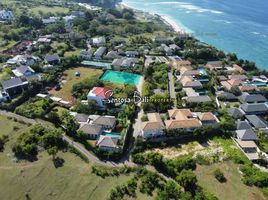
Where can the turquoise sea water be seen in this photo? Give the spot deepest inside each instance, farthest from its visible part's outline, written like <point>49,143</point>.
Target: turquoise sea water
<point>121,77</point>
<point>231,25</point>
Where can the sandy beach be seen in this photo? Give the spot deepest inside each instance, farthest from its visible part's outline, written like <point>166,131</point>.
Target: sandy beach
<point>165,19</point>
<point>173,24</point>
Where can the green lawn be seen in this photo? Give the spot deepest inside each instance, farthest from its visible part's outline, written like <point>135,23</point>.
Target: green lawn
<point>46,10</point>
<point>234,188</point>
<point>65,92</point>
<point>41,180</point>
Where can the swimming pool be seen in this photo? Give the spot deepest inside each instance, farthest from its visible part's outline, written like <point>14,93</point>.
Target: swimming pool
<point>121,77</point>
<point>112,135</point>
<point>96,64</point>
<point>203,71</point>
<point>258,84</point>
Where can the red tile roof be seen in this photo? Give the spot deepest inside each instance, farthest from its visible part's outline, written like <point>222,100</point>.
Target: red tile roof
<point>102,92</point>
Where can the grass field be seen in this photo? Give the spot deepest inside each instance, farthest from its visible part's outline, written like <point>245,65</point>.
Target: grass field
<point>45,10</point>
<point>232,189</point>
<point>41,180</point>
<point>71,79</point>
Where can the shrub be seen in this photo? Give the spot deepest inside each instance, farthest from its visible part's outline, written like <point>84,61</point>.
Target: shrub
<point>218,174</point>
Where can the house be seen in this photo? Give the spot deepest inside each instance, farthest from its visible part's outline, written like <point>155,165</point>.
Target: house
<point>214,65</point>
<point>227,96</point>
<point>93,131</point>
<point>167,49</point>
<point>52,59</point>
<point>4,96</point>
<point>248,88</point>
<point>231,83</point>
<point>154,127</point>
<point>240,77</point>
<point>236,112</point>
<point>246,135</point>
<point>132,54</point>
<point>188,81</point>
<point>222,78</point>
<point>97,41</point>
<point>6,15</point>
<point>243,125</point>
<point>50,20</point>
<point>85,55</point>
<point>160,39</point>
<point>252,98</point>
<point>238,68</point>
<point>14,86</point>
<point>250,149</point>
<point>254,108</point>
<point>100,52</point>
<point>207,118</point>
<point>106,122</point>
<point>124,63</point>
<point>198,99</point>
<point>111,55</point>
<point>81,118</point>
<point>106,143</point>
<point>257,122</point>
<point>99,95</point>
<point>178,64</point>
<point>22,60</point>
<point>182,119</point>
<point>23,71</point>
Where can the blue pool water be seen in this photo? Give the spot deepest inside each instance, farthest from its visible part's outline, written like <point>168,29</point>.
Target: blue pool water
<point>112,134</point>
<point>121,77</point>
<point>258,84</point>
<point>203,71</point>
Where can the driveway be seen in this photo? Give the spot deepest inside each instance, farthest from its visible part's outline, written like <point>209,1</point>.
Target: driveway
<point>171,87</point>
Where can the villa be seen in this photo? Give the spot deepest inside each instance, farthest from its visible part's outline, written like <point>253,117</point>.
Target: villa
<point>23,71</point>
<point>52,59</point>
<point>99,95</point>
<point>106,122</point>
<point>214,65</point>
<point>254,108</point>
<point>100,52</point>
<point>93,131</point>
<point>14,86</point>
<point>182,119</point>
<point>154,127</point>
<point>106,143</point>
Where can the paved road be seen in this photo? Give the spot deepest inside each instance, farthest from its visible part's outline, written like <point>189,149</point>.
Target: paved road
<point>18,117</point>
<point>171,87</point>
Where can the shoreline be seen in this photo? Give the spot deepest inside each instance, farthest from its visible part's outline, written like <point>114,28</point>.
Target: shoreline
<point>174,27</point>
<point>171,24</point>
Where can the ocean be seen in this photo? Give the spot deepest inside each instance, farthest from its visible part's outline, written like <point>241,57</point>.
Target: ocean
<point>237,26</point>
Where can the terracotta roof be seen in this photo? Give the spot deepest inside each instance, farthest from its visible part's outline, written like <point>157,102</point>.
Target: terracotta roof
<point>180,113</point>
<point>235,82</point>
<point>183,62</point>
<point>152,126</point>
<point>188,123</point>
<point>101,92</point>
<point>246,88</point>
<point>238,68</point>
<point>207,116</point>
